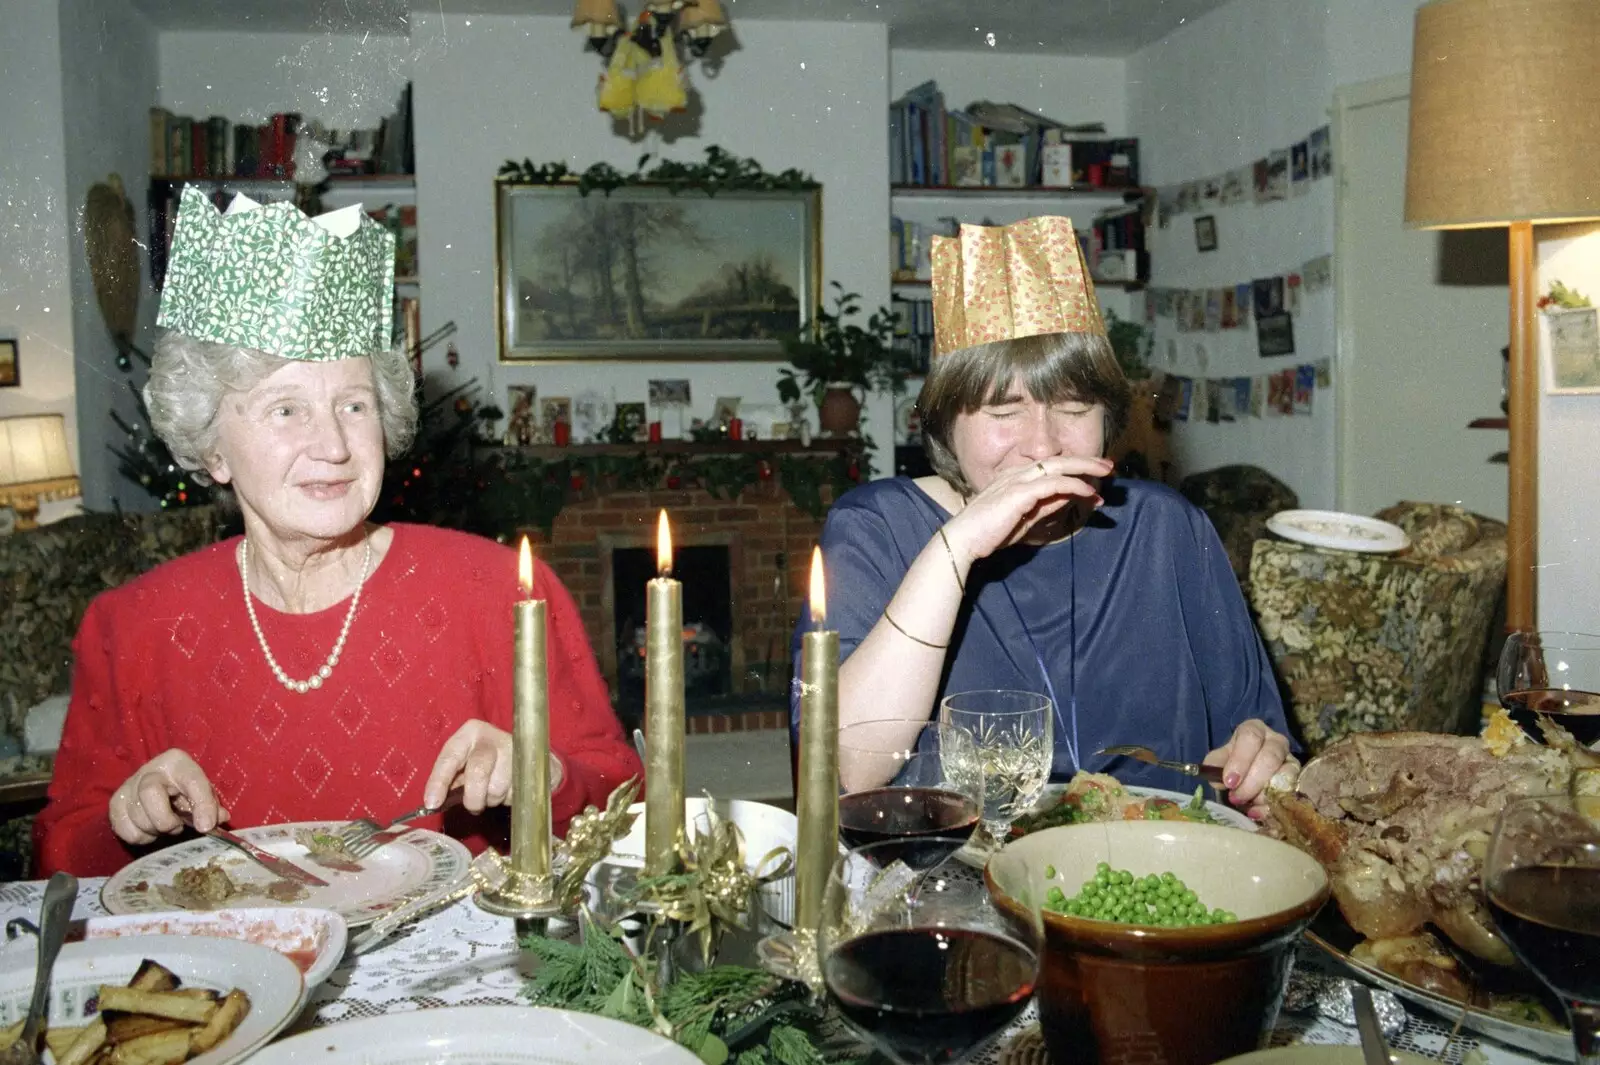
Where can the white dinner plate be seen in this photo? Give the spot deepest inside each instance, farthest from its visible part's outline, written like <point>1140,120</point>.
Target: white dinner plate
<point>501,1035</point>
<point>416,864</point>
<point>1342,532</point>
<point>1222,813</point>
<point>313,939</point>
<point>271,980</point>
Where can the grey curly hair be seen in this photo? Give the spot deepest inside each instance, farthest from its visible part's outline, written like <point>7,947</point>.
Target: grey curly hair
<point>189,378</point>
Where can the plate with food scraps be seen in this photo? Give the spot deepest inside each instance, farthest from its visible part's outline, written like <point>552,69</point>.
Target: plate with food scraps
<point>505,1035</point>
<point>1342,532</point>
<point>1122,802</point>
<point>1507,1005</point>
<point>149,987</point>
<point>206,874</point>
<point>313,939</point>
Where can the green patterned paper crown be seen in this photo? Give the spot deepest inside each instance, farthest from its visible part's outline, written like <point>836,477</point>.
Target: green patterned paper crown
<point>265,276</point>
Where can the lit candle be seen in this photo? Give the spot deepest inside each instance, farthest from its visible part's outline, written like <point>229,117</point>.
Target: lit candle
<point>530,732</point>
<point>817,804</point>
<point>663,713</point>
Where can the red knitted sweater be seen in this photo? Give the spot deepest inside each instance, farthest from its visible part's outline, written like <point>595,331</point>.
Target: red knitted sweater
<point>169,660</point>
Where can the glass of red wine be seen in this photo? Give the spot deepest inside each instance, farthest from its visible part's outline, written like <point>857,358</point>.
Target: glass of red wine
<point>1542,877</point>
<point>912,786</point>
<point>930,976</point>
<point>1554,673</point>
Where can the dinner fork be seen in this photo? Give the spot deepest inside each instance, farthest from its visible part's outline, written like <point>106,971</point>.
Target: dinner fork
<point>1212,774</point>
<point>59,896</point>
<point>364,835</point>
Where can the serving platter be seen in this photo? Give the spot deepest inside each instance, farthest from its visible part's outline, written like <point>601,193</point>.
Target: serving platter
<point>1330,933</point>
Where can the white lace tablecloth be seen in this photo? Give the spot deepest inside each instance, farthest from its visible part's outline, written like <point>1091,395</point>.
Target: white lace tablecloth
<point>461,956</point>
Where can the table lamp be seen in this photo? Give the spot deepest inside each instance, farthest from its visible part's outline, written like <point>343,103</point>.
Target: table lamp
<point>35,465</point>
<point>1505,132</point>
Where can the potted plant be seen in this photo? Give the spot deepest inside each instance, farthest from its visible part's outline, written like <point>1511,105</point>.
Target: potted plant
<point>834,357</point>
<point>1131,342</point>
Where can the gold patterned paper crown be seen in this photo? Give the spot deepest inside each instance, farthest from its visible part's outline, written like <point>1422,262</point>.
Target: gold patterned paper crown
<point>265,276</point>
<point>1004,282</point>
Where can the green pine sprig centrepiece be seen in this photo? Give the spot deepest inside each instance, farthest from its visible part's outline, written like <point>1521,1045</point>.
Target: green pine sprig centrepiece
<point>725,1013</point>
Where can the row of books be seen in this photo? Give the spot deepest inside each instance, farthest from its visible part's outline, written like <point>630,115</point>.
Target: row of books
<point>913,329</point>
<point>181,146</point>
<point>1116,248</point>
<point>1000,145</point>
<point>910,244</point>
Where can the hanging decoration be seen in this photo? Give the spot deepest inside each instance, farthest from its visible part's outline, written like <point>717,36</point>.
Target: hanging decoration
<point>644,76</point>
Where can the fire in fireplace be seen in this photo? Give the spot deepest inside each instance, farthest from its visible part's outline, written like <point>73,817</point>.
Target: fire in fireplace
<point>707,620</point>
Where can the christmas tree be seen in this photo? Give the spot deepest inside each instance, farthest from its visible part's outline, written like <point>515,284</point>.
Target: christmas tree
<point>144,459</point>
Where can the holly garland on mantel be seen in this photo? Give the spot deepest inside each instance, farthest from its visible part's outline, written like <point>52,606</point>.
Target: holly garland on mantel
<point>450,479</point>
<point>721,172</point>
<point>521,489</point>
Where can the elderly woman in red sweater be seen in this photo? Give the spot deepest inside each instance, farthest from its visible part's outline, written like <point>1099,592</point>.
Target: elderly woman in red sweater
<point>319,666</point>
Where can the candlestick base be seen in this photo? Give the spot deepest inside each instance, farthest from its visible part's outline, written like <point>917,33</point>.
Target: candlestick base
<point>522,896</point>
<point>792,955</point>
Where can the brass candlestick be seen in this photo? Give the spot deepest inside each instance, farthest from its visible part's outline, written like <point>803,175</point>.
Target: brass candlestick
<point>664,713</point>
<point>528,891</point>
<point>817,804</point>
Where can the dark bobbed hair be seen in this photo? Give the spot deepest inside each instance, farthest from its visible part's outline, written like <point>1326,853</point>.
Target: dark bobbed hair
<point>1052,368</point>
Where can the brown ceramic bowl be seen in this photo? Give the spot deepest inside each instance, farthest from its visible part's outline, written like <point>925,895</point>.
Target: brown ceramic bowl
<point>1116,994</point>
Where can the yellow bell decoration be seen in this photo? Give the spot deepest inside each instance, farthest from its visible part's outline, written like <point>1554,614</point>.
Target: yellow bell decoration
<point>619,83</point>
<point>661,90</point>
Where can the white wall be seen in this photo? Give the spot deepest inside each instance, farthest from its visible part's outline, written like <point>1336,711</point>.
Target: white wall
<point>1569,440</point>
<point>35,282</point>
<point>1070,89</point>
<point>811,95</point>
<point>1221,92</point>
<point>106,119</point>
<point>346,81</point>
<point>1369,38</point>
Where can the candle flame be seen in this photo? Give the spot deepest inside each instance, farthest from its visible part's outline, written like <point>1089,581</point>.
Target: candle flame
<point>819,604</point>
<point>525,568</point>
<point>663,547</point>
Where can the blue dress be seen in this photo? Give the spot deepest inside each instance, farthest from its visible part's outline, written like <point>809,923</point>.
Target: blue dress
<point>1135,623</point>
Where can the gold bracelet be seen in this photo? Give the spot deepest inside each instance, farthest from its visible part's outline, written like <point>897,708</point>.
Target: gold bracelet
<point>907,635</point>
<point>953,567</point>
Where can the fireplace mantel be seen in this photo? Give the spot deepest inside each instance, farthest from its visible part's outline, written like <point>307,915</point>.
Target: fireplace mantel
<point>686,449</point>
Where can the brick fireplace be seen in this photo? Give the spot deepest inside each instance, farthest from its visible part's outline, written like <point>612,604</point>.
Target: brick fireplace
<point>767,542</point>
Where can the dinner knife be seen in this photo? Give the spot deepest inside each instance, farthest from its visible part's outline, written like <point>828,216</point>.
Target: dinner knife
<point>1374,1049</point>
<point>277,866</point>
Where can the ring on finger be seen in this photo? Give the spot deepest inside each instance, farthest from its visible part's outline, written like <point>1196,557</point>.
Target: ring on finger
<point>1041,467</point>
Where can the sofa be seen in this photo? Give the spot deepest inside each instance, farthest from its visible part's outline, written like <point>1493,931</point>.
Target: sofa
<point>48,576</point>
<point>1368,642</point>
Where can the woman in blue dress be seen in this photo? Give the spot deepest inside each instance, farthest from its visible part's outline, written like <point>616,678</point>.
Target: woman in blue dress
<point>1021,564</point>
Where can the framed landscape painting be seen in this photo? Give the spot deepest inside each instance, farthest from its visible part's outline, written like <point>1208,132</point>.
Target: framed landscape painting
<point>647,274</point>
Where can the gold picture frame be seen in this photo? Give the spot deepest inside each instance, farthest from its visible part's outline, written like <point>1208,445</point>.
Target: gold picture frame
<point>648,273</point>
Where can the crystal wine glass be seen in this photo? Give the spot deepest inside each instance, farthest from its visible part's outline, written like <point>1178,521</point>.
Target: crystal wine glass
<point>1013,731</point>
<point>1555,673</point>
<point>929,976</point>
<point>1542,876</point>
<point>901,780</point>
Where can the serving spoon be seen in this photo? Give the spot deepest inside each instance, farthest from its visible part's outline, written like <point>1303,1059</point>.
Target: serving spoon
<point>54,915</point>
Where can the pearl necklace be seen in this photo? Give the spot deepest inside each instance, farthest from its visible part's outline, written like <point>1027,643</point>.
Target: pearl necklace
<point>326,670</point>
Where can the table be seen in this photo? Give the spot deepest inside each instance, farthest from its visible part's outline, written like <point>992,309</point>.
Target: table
<point>462,956</point>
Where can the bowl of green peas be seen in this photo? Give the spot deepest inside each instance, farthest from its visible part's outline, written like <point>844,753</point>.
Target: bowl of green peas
<point>1165,941</point>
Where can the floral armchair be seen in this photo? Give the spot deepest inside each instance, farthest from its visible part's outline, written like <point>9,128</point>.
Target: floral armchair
<point>47,578</point>
<point>1366,642</point>
<point>1238,500</point>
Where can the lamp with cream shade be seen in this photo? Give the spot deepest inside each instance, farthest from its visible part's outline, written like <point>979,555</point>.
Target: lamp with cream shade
<point>1505,132</point>
<point>35,465</point>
